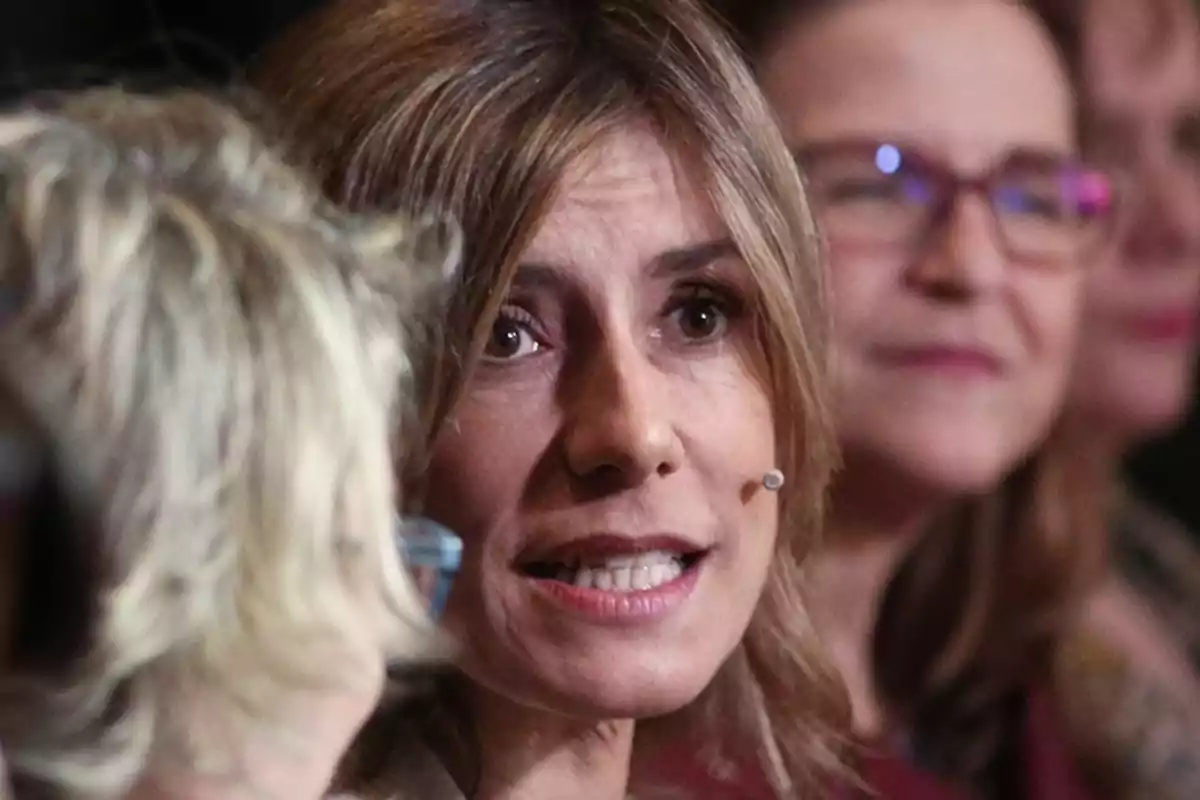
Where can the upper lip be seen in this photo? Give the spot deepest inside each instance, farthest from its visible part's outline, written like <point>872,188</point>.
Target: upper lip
<point>608,544</point>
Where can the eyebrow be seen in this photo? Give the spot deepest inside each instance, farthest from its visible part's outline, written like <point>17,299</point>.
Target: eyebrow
<point>677,261</point>
<point>693,258</point>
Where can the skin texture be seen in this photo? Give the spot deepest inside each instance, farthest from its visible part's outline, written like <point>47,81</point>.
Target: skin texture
<point>1142,89</point>
<point>620,393</point>
<point>917,72</point>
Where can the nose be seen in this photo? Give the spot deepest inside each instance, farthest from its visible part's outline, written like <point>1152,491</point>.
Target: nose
<point>1164,226</point>
<point>619,429</point>
<point>964,257</point>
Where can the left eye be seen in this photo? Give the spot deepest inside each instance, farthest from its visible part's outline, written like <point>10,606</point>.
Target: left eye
<point>700,318</point>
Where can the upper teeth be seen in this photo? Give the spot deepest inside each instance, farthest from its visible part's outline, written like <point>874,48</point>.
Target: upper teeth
<point>626,573</point>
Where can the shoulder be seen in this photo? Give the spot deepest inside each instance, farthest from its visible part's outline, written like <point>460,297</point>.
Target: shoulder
<point>1118,618</point>
<point>1156,567</point>
<point>1155,553</point>
<point>1131,697</point>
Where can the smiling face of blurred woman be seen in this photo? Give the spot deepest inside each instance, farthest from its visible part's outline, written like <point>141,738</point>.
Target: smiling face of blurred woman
<point>604,465</point>
<point>1141,85</point>
<point>955,308</point>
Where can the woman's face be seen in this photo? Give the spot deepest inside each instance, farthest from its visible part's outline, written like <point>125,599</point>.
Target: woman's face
<point>954,314</point>
<point>604,466</point>
<point>1142,83</point>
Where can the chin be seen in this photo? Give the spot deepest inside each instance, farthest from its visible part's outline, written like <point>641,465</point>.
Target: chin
<point>619,699</point>
<point>1147,416</point>
<point>610,685</point>
<point>638,680</point>
<point>1148,399</point>
<point>961,474</point>
<point>935,462</point>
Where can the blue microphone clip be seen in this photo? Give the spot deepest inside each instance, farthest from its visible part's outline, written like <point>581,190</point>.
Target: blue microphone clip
<point>427,545</point>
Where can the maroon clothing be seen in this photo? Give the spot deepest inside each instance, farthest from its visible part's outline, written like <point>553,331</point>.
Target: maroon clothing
<point>1049,772</point>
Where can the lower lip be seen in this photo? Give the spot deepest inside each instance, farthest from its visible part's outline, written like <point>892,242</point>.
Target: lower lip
<point>942,361</point>
<point>620,608</point>
<point>1167,328</point>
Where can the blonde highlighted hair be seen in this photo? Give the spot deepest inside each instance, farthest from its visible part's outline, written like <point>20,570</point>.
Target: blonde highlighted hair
<point>476,109</point>
<point>217,362</point>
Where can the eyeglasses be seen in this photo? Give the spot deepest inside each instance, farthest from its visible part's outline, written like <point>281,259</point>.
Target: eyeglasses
<point>434,555</point>
<point>1046,208</point>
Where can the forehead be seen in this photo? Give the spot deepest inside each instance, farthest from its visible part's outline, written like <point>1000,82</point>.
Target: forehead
<point>626,200</point>
<point>1140,57</point>
<point>972,78</point>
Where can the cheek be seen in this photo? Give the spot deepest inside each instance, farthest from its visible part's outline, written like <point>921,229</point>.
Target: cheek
<point>860,288</point>
<point>725,419</point>
<point>1107,285</point>
<point>724,416</point>
<point>477,475</point>
<point>481,462</point>
<point>1050,307</point>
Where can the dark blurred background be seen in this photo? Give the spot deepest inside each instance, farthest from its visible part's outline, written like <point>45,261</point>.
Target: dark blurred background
<point>68,43</point>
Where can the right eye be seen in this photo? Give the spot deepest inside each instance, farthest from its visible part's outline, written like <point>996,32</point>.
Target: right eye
<point>512,336</point>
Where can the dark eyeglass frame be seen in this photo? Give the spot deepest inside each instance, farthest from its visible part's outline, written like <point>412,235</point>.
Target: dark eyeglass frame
<point>951,185</point>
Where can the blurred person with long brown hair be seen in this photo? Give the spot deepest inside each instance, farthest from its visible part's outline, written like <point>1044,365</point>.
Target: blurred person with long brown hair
<point>939,144</point>
<point>628,421</point>
<point>1132,675</point>
<point>205,376</point>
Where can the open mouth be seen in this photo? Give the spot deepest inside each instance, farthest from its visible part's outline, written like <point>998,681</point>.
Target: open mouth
<point>618,573</point>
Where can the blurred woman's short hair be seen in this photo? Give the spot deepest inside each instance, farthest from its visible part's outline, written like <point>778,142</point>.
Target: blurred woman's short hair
<point>215,366</point>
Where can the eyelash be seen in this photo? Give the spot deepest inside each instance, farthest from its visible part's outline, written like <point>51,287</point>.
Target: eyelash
<point>726,300</point>
<point>515,314</point>
<point>511,312</point>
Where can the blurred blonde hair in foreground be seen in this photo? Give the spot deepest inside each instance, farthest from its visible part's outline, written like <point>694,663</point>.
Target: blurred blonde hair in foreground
<point>217,364</point>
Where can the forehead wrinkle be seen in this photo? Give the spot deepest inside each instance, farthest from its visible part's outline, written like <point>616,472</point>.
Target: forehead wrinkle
<point>616,203</point>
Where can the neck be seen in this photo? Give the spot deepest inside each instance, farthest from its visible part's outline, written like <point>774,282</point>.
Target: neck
<point>867,541</point>
<point>1104,441</point>
<point>1098,446</point>
<point>530,754</point>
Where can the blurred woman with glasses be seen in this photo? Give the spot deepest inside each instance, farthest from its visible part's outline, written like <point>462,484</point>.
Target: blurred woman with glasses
<point>939,144</point>
<point>1133,672</point>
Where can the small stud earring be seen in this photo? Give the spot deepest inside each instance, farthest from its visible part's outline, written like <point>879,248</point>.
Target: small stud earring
<point>773,480</point>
